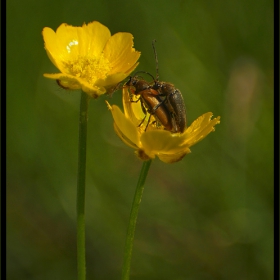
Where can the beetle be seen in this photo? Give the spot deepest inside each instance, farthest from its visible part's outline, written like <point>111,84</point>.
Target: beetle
<point>160,99</point>
<point>173,99</point>
<point>174,102</point>
<point>151,101</point>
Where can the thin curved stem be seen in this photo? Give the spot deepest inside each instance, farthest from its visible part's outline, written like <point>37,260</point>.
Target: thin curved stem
<point>133,219</point>
<point>81,251</point>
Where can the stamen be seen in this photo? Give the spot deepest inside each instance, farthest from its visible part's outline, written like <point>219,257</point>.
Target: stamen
<point>89,68</point>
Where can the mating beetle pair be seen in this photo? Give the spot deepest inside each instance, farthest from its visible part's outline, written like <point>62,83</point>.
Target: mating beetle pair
<point>160,99</point>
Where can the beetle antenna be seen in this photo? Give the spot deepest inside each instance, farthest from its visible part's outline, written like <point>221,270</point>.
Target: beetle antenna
<point>155,53</point>
<point>145,73</point>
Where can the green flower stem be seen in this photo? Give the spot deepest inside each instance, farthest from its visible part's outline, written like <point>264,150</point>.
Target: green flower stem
<point>133,218</point>
<point>81,251</point>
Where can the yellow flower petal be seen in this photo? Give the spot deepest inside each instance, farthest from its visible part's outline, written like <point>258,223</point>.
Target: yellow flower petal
<point>132,110</point>
<point>171,158</point>
<point>97,36</point>
<point>69,41</point>
<point>124,128</point>
<point>119,50</point>
<point>200,128</point>
<point>92,90</point>
<point>111,80</point>
<point>68,82</point>
<point>161,141</point>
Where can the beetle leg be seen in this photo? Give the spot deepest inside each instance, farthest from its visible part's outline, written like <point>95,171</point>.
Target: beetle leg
<point>134,101</point>
<point>157,106</point>
<point>148,121</point>
<point>143,121</point>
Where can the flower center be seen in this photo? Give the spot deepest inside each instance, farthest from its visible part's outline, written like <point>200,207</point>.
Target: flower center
<point>89,68</point>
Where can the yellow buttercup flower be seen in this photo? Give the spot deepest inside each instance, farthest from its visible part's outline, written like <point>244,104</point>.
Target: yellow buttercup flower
<point>150,139</point>
<point>89,58</point>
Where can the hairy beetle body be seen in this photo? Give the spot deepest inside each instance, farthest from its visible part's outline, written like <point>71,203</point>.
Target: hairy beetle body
<point>174,102</point>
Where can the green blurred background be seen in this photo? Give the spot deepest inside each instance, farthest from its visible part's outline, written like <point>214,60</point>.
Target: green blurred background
<point>209,216</point>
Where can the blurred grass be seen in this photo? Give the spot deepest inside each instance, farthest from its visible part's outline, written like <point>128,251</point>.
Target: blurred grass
<point>206,217</point>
